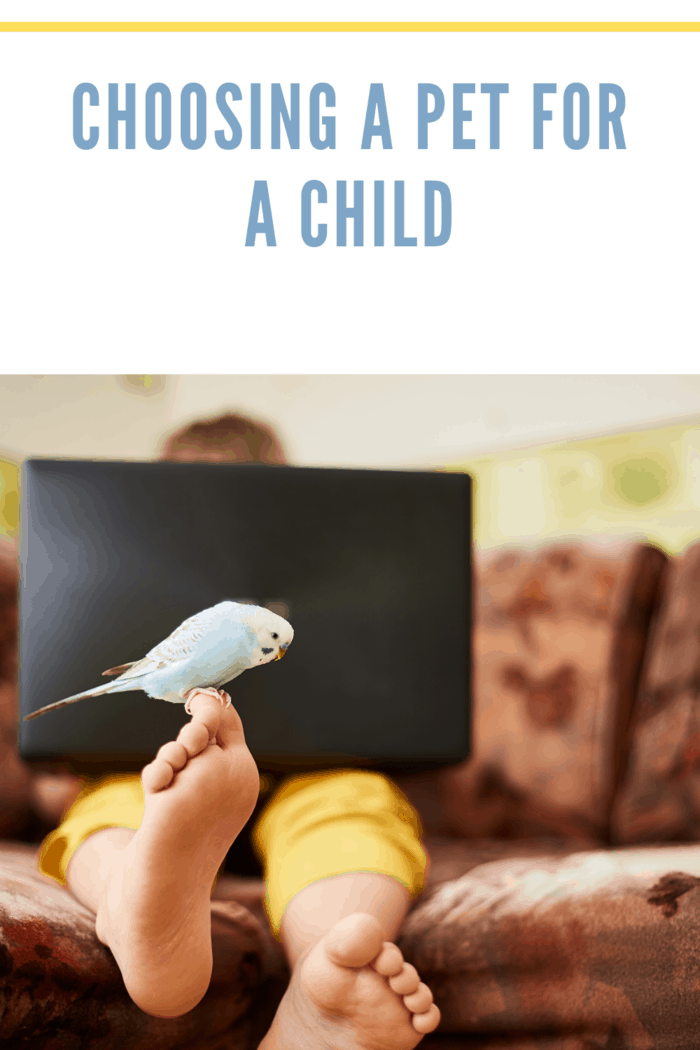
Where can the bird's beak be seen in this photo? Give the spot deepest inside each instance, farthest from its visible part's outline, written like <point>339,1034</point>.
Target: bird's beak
<point>283,650</point>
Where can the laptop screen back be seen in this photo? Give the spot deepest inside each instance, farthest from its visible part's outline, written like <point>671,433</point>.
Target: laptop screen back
<point>372,568</point>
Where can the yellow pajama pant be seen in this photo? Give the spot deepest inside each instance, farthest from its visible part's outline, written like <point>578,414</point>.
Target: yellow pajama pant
<point>315,825</point>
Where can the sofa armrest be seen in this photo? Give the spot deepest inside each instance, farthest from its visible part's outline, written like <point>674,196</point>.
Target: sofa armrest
<point>593,948</point>
<point>61,987</point>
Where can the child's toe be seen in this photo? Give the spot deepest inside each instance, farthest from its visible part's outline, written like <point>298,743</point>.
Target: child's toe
<point>420,1001</point>
<point>427,1022</point>
<point>173,753</point>
<point>389,962</point>
<point>194,737</point>
<point>406,982</point>
<point>156,776</point>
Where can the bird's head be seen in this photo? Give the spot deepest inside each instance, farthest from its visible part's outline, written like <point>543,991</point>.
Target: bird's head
<point>273,632</point>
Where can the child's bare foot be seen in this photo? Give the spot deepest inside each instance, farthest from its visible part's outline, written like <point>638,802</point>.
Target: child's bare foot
<point>352,991</point>
<point>154,912</point>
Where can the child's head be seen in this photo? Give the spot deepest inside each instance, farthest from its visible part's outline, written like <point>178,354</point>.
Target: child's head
<point>227,439</point>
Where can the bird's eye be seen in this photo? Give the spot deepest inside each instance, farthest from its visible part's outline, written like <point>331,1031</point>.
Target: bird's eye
<point>275,636</point>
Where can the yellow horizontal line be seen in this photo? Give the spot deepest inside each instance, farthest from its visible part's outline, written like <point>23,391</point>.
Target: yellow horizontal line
<point>349,27</point>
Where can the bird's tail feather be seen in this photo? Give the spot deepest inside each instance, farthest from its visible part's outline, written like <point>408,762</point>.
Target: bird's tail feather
<point>100,690</point>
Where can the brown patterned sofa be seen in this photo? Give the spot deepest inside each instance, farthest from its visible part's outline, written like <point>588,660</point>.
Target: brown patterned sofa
<point>563,903</point>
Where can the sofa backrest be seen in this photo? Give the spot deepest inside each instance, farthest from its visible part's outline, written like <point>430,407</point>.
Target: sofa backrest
<point>559,641</point>
<point>660,794</point>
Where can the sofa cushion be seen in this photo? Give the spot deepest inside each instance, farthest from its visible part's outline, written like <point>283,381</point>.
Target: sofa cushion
<point>660,797</point>
<point>62,990</point>
<point>591,949</point>
<point>559,638</point>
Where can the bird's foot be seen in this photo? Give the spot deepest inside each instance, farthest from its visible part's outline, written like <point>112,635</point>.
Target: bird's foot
<point>208,690</point>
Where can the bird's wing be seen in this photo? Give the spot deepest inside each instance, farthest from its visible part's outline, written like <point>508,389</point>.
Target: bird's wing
<point>181,646</point>
<point>121,669</point>
<point>177,646</point>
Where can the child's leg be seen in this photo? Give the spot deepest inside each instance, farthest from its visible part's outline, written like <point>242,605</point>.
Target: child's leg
<point>150,888</point>
<point>317,908</point>
<point>350,989</point>
<point>91,865</point>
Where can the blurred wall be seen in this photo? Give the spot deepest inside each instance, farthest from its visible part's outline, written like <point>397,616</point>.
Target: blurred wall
<point>643,484</point>
<point>325,420</point>
<point>548,452</point>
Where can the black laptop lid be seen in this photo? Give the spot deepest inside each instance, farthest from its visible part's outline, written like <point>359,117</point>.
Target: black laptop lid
<point>373,567</point>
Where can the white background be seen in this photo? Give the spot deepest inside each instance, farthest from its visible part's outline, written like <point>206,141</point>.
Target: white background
<point>559,260</point>
<point>336,10</point>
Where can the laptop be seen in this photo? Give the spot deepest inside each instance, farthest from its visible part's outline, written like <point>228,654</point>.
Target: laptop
<point>371,567</point>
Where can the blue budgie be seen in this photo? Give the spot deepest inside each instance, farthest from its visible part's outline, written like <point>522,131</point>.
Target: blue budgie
<point>203,653</point>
